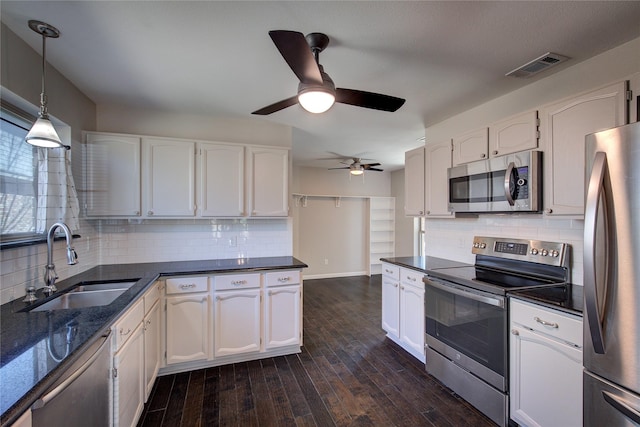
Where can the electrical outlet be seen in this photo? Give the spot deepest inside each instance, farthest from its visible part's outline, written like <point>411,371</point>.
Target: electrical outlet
<point>326,261</point>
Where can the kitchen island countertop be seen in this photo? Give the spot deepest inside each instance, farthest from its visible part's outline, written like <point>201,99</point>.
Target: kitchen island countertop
<point>37,347</point>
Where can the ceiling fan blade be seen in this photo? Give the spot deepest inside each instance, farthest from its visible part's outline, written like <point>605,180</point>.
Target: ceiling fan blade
<point>280,105</point>
<point>375,169</point>
<point>296,52</point>
<point>375,101</point>
<point>347,167</point>
<point>369,165</point>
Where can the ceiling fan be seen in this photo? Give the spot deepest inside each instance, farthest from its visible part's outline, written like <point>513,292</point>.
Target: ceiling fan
<point>356,167</point>
<point>316,91</point>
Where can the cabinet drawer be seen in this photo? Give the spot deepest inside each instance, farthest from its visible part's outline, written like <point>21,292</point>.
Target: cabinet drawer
<point>236,281</point>
<point>151,296</point>
<point>127,324</point>
<point>411,278</point>
<point>185,285</point>
<point>391,271</point>
<point>278,278</point>
<point>547,321</point>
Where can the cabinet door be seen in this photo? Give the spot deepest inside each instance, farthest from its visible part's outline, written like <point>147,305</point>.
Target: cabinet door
<point>221,180</point>
<point>545,380</point>
<point>128,381</point>
<point>237,322</point>
<point>412,319</point>
<point>513,134</point>
<point>437,161</point>
<point>268,181</point>
<point>391,306</point>
<point>168,177</point>
<point>414,182</point>
<point>282,313</point>
<point>187,326</point>
<point>151,348</point>
<point>564,126</point>
<point>112,175</point>
<point>471,146</point>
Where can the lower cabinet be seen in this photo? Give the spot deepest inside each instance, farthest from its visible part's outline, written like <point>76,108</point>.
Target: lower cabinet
<point>237,315</point>
<point>151,331</point>
<point>128,367</point>
<point>403,308</point>
<point>282,310</point>
<point>545,366</point>
<point>187,319</point>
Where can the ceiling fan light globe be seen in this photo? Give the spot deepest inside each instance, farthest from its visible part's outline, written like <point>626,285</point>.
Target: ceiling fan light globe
<point>356,172</point>
<point>43,134</point>
<point>316,100</point>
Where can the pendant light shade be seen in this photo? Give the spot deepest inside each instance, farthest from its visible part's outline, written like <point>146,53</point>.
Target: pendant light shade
<point>316,101</point>
<point>42,133</point>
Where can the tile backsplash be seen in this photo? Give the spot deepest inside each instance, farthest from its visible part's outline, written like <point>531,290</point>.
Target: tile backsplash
<point>453,238</point>
<point>134,241</point>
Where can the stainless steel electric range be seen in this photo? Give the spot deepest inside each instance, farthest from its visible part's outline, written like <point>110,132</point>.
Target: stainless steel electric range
<point>467,319</point>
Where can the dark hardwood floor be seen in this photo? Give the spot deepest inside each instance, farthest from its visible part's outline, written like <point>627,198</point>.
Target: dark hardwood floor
<point>348,374</point>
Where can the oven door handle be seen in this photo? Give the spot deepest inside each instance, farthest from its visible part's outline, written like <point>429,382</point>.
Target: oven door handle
<point>498,302</point>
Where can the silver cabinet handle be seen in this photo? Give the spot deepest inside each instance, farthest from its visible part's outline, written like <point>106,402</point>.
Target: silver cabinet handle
<point>238,282</point>
<point>150,213</point>
<point>515,332</point>
<point>125,333</point>
<point>483,155</point>
<point>495,152</point>
<point>284,279</point>
<point>413,279</point>
<point>188,286</point>
<point>546,323</point>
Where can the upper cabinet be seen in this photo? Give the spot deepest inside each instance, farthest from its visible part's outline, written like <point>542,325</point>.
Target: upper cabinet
<point>471,146</point>
<point>513,134</point>
<point>168,178</point>
<point>149,177</point>
<point>510,135</point>
<point>267,181</point>
<point>437,161</point>
<point>112,180</point>
<point>414,182</point>
<point>564,125</point>
<point>221,180</point>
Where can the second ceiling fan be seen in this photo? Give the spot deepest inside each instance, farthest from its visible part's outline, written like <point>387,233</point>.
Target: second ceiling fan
<point>316,90</point>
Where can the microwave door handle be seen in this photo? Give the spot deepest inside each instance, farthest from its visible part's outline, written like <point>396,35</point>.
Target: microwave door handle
<point>507,183</point>
<point>594,196</point>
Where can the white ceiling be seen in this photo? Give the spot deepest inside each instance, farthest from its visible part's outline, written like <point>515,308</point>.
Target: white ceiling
<point>216,58</point>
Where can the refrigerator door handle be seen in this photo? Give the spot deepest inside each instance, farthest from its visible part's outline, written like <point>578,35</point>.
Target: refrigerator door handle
<point>592,205</point>
<point>622,406</point>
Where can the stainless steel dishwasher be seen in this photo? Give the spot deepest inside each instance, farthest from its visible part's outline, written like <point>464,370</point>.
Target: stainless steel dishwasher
<point>81,396</point>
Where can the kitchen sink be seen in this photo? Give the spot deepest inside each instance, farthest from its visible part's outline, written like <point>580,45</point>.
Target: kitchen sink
<point>86,295</point>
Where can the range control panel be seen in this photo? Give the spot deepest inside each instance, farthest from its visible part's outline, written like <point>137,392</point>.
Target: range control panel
<point>551,253</point>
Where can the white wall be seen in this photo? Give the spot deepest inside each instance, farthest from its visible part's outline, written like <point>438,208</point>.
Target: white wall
<point>406,237</point>
<point>452,238</point>
<point>338,235</point>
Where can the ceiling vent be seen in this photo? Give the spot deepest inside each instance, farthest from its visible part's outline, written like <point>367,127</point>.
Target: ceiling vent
<point>539,64</point>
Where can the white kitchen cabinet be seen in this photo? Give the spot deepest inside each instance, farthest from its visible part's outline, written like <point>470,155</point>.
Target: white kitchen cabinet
<point>414,182</point>
<point>168,178</point>
<point>513,134</point>
<point>112,175</point>
<point>267,181</point>
<point>237,314</point>
<point>391,300</point>
<point>24,420</point>
<point>471,146</point>
<point>128,367</point>
<point>282,309</point>
<point>151,330</point>
<point>221,176</point>
<point>437,161</point>
<point>545,366</point>
<point>412,318</point>
<point>564,125</point>
<point>187,319</point>
<point>403,308</point>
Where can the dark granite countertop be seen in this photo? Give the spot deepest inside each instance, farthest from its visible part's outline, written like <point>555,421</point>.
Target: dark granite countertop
<point>33,345</point>
<point>423,263</point>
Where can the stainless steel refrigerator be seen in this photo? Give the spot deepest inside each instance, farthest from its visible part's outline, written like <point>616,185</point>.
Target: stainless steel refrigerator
<point>612,278</point>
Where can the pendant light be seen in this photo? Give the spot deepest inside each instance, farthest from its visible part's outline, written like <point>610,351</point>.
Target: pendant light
<point>42,133</point>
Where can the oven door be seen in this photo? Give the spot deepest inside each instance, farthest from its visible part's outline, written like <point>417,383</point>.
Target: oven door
<point>468,327</point>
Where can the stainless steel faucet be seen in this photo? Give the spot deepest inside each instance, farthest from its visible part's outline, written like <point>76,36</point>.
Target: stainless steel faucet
<point>50,274</point>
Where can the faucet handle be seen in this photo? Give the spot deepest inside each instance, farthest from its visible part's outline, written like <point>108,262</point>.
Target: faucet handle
<point>31,294</point>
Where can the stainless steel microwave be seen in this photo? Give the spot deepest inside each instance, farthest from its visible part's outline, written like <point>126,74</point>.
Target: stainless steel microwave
<point>511,183</point>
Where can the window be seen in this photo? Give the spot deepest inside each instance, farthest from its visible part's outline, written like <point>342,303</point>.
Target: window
<point>18,177</point>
